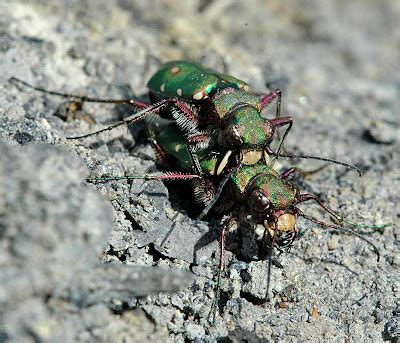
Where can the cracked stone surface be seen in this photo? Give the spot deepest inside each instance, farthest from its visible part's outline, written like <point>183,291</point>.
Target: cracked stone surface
<point>337,64</point>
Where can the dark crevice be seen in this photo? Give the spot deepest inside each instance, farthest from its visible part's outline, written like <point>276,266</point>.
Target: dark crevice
<point>120,308</point>
<point>118,254</point>
<point>252,299</point>
<point>189,312</point>
<point>128,216</point>
<point>155,253</point>
<point>23,137</point>
<point>223,300</point>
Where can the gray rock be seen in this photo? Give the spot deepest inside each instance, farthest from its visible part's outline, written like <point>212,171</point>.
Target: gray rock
<point>337,64</point>
<point>53,231</point>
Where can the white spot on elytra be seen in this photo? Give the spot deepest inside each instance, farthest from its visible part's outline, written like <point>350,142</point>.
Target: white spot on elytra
<point>175,70</point>
<point>198,95</point>
<point>179,91</point>
<point>162,87</point>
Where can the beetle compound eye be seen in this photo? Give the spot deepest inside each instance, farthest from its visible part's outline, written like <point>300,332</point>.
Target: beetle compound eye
<point>259,203</point>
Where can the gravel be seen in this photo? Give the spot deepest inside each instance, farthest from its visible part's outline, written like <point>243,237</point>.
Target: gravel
<point>125,261</point>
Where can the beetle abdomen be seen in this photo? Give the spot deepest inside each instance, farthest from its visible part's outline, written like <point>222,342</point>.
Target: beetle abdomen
<point>190,81</point>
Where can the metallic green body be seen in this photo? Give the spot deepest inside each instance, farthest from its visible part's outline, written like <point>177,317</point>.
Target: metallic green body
<point>231,112</point>
<point>255,130</point>
<point>281,193</point>
<point>228,98</point>
<point>174,143</point>
<point>242,176</point>
<point>185,79</point>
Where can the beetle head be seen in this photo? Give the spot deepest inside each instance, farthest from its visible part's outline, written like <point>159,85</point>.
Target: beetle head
<point>247,129</point>
<point>271,201</point>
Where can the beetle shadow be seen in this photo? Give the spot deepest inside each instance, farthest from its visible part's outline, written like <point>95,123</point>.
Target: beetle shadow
<point>206,239</point>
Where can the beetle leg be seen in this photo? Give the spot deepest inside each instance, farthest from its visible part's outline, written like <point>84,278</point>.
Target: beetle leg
<point>217,194</point>
<point>151,110</point>
<point>196,141</point>
<point>159,152</point>
<point>194,158</point>
<point>282,121</point>
<point>227,223</point>
<point>269,269</point>
<point>167,176</point>
<point>267,99</point>
<point>289,172</point>
<point>200,140</point>
<point>203,190</point>
<point>188,121</point>
<point>186,118</point>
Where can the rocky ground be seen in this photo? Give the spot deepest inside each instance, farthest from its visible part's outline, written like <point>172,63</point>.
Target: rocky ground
<point>337,63</point>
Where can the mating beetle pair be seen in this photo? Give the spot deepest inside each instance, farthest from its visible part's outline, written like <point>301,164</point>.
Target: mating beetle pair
<point>222,142</point>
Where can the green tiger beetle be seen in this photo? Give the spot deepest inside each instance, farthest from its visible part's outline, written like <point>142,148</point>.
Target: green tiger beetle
<point>254,193</point>
<point>212,109</point>
<point>221,142</point>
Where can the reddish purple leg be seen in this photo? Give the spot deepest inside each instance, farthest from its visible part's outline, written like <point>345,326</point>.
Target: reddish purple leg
<point>227,223</point>
<point>267,99</point>
<point>289,172</point>
<point>302,172</point>
<point>282,121</point>
<point>198,138</point>
<point>167,176</point>
<point>222,245</point>
<point>187,120</point>
<point>277,121</point>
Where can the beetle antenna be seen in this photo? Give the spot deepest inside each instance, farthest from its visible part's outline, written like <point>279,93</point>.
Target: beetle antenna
<point>133,102</point>
<point>307,157</point>
<point>341,229</point>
